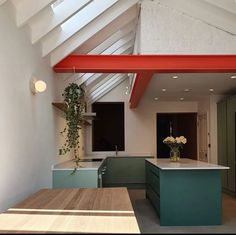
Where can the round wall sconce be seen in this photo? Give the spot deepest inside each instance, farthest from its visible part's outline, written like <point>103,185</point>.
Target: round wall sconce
<point>38,86</point>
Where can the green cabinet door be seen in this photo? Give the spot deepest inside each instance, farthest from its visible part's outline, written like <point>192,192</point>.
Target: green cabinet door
<point>222,140</point>
<point>231,110</point>
<point>81,179</point>
<point>126,172</point>
<point>153,186</point>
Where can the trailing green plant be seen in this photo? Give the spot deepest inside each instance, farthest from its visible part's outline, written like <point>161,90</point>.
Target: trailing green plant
<point>74,99</point>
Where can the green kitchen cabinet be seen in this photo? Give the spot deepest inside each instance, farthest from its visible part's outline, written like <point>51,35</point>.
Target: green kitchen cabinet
<point>126,172</point>
<point>119,171</point>
<point>185,197</point>
<point>81,179</point>
<point>226,110</point>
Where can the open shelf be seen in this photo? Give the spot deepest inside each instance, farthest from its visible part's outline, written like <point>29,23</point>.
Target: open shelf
<point>62,106</point>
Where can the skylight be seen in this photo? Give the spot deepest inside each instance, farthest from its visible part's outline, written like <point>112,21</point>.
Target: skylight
<point>56,3</point>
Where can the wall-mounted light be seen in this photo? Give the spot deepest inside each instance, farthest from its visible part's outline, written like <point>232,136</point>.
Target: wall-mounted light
<point>38,86</point>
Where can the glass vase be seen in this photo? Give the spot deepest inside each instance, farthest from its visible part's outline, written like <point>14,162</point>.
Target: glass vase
<point>174,154</point>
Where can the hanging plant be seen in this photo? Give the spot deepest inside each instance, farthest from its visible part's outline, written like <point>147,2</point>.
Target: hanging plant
<point>74,99</point>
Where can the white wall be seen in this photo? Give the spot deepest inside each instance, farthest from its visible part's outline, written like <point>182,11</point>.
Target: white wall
<point>165,30</point>
<point>140,123</point>
<point>27,137</point>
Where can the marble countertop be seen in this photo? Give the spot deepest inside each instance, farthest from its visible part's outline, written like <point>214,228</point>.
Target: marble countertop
<point>184,164</point>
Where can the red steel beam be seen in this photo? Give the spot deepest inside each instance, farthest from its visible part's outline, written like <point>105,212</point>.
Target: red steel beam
<point>146,66</point>
<point>144,63</point>
<point>140,84</point>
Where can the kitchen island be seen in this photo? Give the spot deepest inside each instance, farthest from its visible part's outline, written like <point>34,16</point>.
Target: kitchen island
<point>185,193</point>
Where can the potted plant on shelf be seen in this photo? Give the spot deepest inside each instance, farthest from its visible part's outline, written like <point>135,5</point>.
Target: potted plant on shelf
<point>74,99</point>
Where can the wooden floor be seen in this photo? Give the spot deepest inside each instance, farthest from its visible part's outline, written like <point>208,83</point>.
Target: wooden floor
<point>107,210</point>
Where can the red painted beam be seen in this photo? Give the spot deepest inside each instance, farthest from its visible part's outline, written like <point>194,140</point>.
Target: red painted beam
<point>140,84</point>
<point>144,63</point>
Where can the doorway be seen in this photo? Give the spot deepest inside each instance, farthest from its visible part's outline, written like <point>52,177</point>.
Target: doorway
<point>177,124</point>
<point>203,137</point>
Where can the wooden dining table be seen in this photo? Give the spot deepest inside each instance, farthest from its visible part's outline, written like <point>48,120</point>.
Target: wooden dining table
<point>96,210</point>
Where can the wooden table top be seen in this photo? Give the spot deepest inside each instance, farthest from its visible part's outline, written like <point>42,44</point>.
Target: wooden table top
<point>98,210</point>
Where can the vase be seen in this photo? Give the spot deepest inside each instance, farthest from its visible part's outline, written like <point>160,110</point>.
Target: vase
<point>174,154</point>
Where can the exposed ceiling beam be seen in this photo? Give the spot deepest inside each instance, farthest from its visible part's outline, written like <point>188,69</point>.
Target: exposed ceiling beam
<point>25,9</point>
<point>94,27</point>
<point>94,80</point>
<point>102,40</point>
<point>99,49</point>
<point>121,42</point>
<point>91,78</point>
<point>86,76</point>
<point>124,47</point>
<point>143,63</point>
<point>103,79</point>
<point>106,87</point>
<point>205,12</point>
<point>50,18</point>
<point>75,24</point>
<point>146,65</point>
<point>140,84</point>
<point>118,48</point>
<point>111,42</point>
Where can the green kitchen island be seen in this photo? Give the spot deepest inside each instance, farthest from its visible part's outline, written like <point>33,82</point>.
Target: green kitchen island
<point>185,193</point>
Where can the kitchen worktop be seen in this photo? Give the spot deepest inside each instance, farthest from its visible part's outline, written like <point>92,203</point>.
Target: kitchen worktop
<point>184,164</point>
<point>69,165</point>
<point>91,162</point>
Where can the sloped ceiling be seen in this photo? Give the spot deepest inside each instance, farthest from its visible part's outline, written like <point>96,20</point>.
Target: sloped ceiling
<point>65,27</point>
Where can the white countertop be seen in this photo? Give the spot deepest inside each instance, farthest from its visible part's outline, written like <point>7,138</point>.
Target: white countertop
<point>69,165</point>
<point>93,165</point>
<point>184,164</point>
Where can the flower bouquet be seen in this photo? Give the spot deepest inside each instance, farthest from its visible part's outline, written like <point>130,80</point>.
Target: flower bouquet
<point>175,144</point>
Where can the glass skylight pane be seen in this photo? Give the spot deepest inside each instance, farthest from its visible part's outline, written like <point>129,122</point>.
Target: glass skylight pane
<point>56,3</point>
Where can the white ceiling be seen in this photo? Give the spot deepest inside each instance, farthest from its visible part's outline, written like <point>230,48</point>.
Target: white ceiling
<point>198,83</point>
<point>109,27</point>
<point>64,27</point>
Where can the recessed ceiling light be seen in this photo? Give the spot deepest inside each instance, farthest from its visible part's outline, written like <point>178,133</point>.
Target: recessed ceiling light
<point>211,89</point>
<point>233,77</point>
<point>187,90</point>
<point>175,77</point>
<point>163,89</point>
<point>181,98</point>
<point>156,98</point>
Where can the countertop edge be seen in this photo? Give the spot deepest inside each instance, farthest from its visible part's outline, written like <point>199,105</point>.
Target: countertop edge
<point>175,166</point>
<point>92,168</point>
